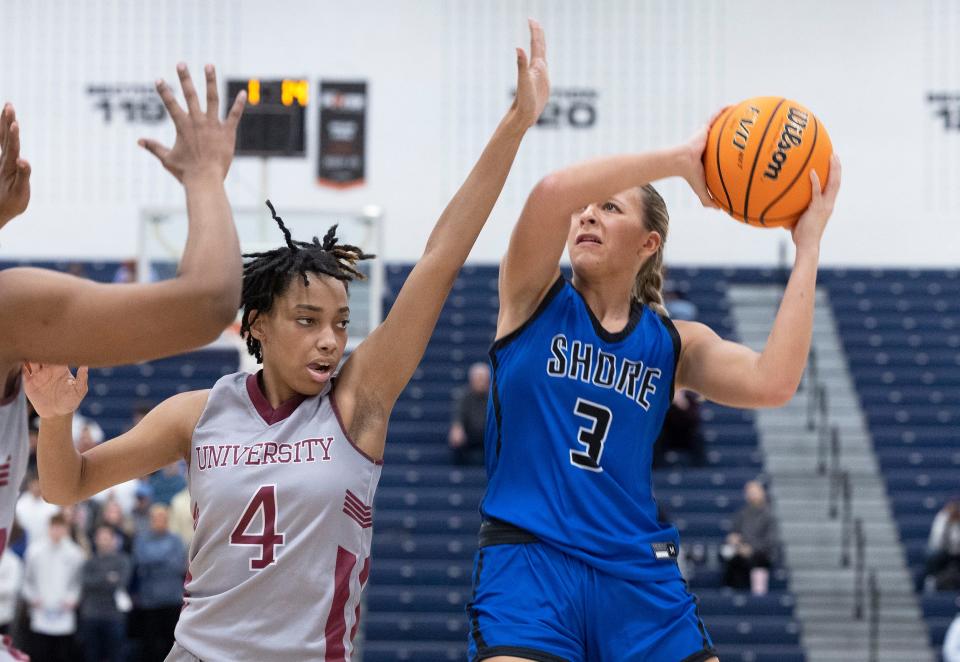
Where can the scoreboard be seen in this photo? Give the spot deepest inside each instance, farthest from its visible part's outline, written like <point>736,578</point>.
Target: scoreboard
<point>273,122</point>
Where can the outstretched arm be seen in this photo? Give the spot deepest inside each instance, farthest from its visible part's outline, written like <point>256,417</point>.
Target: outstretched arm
<point>380,368</point>
<point>531,264</point>
<point>735,375</point>
<point>67,476</point>
<point>55,318</point>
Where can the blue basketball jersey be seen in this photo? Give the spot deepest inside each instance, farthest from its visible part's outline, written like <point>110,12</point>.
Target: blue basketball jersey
<point>573,415</point>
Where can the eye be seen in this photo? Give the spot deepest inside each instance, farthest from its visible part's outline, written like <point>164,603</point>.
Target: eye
<point>304,321</point>
<point>610,206</point>
<point>343,324</point>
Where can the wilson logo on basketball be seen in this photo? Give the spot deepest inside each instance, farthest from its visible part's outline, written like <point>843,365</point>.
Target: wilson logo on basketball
<point>742,134</point>
<point>790,136</point>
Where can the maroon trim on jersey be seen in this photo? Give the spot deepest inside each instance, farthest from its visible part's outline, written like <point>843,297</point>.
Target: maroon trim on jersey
<point>364,574</point>
<point>343,428</point>
<point>13,396</point>
<point>357,510</point>
<point>263,406</point>
<point>337,620</point>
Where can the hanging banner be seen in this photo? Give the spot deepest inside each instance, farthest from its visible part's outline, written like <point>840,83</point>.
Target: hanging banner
<point>342,135</point>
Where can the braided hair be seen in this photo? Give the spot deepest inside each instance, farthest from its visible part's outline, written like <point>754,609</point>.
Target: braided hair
<point>268,274</point>
<point>648,285</point>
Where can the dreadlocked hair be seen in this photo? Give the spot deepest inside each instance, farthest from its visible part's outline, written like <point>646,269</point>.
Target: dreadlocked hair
<point>267,275</point>
<point>648,285</point>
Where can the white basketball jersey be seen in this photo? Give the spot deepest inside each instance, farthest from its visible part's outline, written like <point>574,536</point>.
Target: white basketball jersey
<point>282,510</point>
<point>14,454</point>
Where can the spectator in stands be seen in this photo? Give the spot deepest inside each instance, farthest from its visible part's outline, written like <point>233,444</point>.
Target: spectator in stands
<point>181,516</point>
<point>104,602</point>
<point>160,564</point>
<point>140,514</point>
<point>11,581</point>
<point>951,642</point>
<point>470,418</point>
<point>33,513</point>
<point>751,545</point>
<point>943,549</point>
<point>167,482</point>
<point>51,587</point>
<point>112,515</point>
<point>681,431</point>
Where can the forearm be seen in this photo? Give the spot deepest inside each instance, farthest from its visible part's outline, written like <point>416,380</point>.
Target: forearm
<point>211,265</point>
<point>60,465</point>
<point>460,223</point>
<point>782,362</point>
<point>564,191</point>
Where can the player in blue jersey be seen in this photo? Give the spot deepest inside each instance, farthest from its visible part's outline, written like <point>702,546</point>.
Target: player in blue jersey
<point>573,563</point>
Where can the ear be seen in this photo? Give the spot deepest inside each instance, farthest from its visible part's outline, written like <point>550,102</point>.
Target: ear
<point>256,326</point>
<point>651,244</point>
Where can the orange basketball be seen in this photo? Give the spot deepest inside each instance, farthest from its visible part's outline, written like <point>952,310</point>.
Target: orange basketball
<point>758,159</point>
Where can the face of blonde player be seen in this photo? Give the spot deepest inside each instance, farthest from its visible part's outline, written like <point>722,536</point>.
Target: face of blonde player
<point>609,239</point>
<point>304,336</point>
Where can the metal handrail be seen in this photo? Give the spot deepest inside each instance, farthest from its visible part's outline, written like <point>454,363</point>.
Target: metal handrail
<point>823,431</point>
<point>874,627</point>
<point>834,471</point>
<point>858,570</point>
<point>846,521</point>
<point>812,390</point>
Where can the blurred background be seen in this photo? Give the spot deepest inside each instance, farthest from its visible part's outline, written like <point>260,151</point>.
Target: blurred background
<point>827,530</point>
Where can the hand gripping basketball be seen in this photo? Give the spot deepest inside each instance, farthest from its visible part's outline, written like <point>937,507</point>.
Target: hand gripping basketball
<point>809,227</point>
<point>53,390</point>
<point>204,144</point>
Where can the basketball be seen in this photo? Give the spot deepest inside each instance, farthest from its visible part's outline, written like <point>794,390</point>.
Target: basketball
<point>758,156</point>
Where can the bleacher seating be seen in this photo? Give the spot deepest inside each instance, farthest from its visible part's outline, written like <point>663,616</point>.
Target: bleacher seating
<point>901,334</point>
<point>426,510</point>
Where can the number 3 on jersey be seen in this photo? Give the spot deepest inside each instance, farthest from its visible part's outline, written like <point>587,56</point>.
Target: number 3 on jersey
<point>592,437</point>
<point>268,540</point>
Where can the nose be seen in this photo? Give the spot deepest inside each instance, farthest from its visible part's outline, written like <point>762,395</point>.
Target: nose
<point>327,340</point>
<point>587,216</point>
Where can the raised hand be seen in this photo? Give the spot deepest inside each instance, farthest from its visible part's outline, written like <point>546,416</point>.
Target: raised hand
<point>533,82</point>
<point>204,144</point>
<point>692,152</point>
<point>14,171</point>
<point>52,389</point>
<point>809,228</point>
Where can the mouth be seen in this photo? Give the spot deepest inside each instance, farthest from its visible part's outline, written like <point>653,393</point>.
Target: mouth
<point>320,372</point>
<point>588,238</point>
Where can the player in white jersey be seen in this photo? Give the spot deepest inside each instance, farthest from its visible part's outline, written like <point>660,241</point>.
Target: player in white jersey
<point>284,463</point>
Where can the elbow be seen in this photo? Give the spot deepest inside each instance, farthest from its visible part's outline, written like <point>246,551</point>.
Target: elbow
<point>778,394</point>
<point>547,189</point>
<point>57,497</point>
<point>220,310</point>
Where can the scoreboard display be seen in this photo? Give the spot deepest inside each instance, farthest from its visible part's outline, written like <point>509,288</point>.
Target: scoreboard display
<point>273,122</point>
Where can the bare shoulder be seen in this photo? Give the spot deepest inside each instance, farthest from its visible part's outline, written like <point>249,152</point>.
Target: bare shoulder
<point>181,411</point>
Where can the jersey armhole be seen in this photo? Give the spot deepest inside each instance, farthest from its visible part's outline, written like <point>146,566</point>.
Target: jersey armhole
<point>675,339</point>
<point>558,284</point>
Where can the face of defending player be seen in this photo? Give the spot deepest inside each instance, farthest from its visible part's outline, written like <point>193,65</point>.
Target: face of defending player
<point>304,336</point>
<point>608,239</point>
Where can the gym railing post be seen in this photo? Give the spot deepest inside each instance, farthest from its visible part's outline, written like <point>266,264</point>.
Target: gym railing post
<point>811,385</point>
<point>822,429</point>
<point>874,641</point>
<point>858,570</point>
<point>846,522</point>
<point>834,470</point>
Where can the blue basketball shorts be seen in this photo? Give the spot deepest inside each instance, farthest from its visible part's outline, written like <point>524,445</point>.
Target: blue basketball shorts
<point>535,602</point>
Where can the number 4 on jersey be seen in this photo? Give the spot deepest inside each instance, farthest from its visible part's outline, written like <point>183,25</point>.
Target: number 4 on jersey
<point>592,437</point>
<point>268,540</point>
